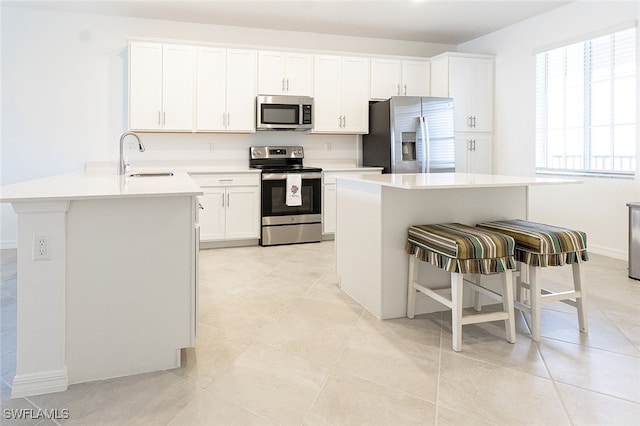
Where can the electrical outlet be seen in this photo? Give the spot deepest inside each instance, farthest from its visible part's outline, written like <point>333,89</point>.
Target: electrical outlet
<point>211,147</point>
<point>40,247</point>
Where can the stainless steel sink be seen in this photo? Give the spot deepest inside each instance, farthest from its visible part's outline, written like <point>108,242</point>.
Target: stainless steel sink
<point>151,174</point>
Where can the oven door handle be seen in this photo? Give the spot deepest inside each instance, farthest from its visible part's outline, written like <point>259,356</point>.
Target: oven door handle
<point>283,176</point>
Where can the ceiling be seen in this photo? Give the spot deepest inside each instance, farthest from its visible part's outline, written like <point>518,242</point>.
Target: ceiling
<point>434,21</point>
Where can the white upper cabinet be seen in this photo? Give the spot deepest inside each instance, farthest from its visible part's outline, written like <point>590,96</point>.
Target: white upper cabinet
<point>285,73</point>
<point>468,79</point>
<point>161,78</point>
<point>226,89</point>
<point>341,88</point>
<point>396,77</point>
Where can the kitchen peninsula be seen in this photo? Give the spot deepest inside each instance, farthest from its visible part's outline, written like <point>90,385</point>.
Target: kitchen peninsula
<point>375,211</point>
<point>107,276</point>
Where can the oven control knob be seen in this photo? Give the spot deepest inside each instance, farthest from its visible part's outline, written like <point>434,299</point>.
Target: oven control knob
<point>256,152</point>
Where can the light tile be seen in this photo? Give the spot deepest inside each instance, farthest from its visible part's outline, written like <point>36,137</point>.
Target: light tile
<point>209,409</point>
<point>144,399</point>
<point>270,383</point>
<point>603,334</point>
<point>424,329</point>
<point>307,335</point>
<point>348,400</point>
<point>397,363</point>
<point>593,408</point>
<point>496,394</point>
<point>211,356</point>
<point>452,418</point>
<point>594,369</point>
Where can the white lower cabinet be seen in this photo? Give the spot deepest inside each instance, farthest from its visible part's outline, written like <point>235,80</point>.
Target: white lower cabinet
<point>474,153</point>
<point>230,207</point>
<point>329,195</point>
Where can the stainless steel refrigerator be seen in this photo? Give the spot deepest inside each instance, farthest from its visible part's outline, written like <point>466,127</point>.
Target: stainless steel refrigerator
<point>410,134</point>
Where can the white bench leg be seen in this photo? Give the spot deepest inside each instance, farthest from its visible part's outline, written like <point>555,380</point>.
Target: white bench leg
<point>535,294</point>
<point>578,285</point>
<point>477,296</point>
<point>411,291</point>
<point>507,305</point>
<point>457,282</point>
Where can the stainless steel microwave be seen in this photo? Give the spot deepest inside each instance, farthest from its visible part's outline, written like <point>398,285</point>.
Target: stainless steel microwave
<point>284,112</point>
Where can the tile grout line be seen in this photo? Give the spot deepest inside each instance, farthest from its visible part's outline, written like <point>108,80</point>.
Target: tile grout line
<point>331,370</point>
<point>553,382</point>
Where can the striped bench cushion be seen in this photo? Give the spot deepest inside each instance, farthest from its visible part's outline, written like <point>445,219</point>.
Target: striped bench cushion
<point>538,244</point>
<point>459,248</point>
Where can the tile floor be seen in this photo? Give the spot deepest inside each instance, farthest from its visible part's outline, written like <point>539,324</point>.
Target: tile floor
<point>279,344</point>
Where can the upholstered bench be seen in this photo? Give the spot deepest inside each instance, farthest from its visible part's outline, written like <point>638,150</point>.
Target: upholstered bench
<point>537,246</point>
<point>461,250</point>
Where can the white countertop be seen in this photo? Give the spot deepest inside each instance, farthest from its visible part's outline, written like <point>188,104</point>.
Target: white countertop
<point>97,185</point>
<point>452,180</point>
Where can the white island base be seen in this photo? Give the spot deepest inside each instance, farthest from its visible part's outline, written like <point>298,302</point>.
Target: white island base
<point>115,294</point>
<point>375,212</point>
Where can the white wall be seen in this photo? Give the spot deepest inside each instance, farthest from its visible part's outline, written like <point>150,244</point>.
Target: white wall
<point>64,93</point>
<point>598,206</point>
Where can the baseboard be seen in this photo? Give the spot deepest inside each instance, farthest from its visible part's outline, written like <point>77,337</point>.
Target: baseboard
<point>204,245</point>
<point>607,251</point>
<point>8,244</point>
<point>39,383</point>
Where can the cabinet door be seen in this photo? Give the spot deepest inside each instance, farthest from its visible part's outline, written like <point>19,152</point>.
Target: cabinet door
<point>386,77</point>
<point>355,95</point>
<point>327,90</point>
<point>482,95</point>
<point>177,87</point>
<point>241,90</point>
<point>471,87</point>
<point>329,208</point>
<point>243,212</point>
<point>211,88</point>
<point>212,216</point>
<point>481,154</point>
<point>415,78</point>
<point>145,86</point>
<point>271,73</point>
<point>474,153</point>
<point>460,88</point>
<point>299,74</point>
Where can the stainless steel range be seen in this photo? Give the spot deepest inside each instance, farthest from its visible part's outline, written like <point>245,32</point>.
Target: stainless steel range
<point>291,195</point>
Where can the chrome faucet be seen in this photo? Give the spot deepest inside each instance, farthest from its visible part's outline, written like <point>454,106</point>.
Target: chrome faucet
<point>122,166</point>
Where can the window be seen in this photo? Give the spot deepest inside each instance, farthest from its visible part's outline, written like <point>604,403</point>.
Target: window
<point>586,107</point>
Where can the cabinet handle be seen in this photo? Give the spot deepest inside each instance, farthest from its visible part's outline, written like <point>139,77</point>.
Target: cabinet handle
<point>398,89</point>
<point>340,121</point>
<point>283,85</point>
<point>164,118</point>
<point>223,199</point>
<point>228,119</point>
<point>228,203</point>
<point>405,90</point>
<point>287,85</point>
<point>474,124</point>
<point>225,180</point>
<point>159,118</point>
<point>344,121</point>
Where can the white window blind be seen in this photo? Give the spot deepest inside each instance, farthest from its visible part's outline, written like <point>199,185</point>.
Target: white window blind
<point>586,106</point>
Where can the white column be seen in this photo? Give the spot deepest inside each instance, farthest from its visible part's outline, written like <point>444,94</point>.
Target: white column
<point>41,361</point>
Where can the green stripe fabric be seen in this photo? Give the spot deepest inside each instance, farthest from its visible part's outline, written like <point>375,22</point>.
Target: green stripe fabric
<point>460,248</point>
<point>538,244</point>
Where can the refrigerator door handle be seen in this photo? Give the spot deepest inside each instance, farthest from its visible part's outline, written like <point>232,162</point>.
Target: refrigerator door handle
<point>426,148</point>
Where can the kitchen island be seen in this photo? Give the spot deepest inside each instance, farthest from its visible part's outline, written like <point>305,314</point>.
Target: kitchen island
<point>107,276</point>
<point>374,213</point>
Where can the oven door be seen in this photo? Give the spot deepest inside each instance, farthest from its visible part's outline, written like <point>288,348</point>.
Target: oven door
<point>275,210</point>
